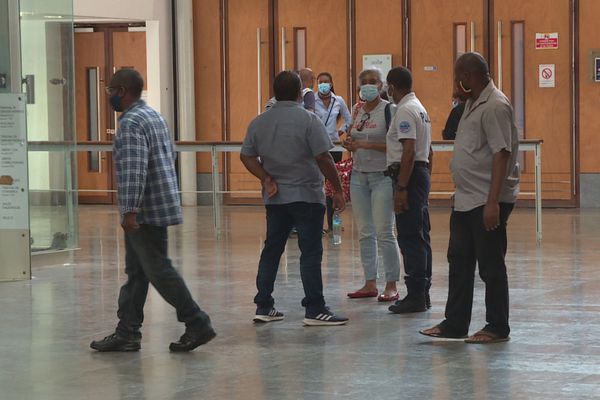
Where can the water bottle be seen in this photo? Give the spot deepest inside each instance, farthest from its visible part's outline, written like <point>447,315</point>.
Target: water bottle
<point>337,229</point>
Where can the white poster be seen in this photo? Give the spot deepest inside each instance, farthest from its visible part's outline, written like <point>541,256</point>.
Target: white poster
<point>381,61</point>
<point>14,191</point>
<point>547,75</point>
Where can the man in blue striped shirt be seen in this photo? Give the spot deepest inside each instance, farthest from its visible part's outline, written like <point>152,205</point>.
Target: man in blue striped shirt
<point>148,204</point>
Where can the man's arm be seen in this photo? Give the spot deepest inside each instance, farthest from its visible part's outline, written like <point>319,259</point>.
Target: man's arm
<point>327,167</point>
<point>255,168</point>
<point>491,212</point>
<point>430,165</point>
<point>131,160</point>
<point>406,170</point>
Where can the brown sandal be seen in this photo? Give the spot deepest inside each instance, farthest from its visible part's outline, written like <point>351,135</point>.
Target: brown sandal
<point>441,334</point>
<point>486,337</point>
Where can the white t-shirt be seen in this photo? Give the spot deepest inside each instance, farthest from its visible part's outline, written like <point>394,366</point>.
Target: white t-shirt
<point>409,122</point>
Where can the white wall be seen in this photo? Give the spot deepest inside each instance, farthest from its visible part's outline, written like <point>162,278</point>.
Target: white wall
<point>157,14</point>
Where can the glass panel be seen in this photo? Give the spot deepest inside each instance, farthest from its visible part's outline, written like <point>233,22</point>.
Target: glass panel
<point>518,73</point>
<point>460,40</point>
<point>300,40</point>
<point>47,55</point>
<point>518,81</point>
<point>93,83</point>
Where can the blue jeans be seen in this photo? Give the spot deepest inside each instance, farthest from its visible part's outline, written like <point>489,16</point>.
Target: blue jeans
<point>413,233</point>
<point>373,207</point>
<point>307,218</point>
<point>146,261</point>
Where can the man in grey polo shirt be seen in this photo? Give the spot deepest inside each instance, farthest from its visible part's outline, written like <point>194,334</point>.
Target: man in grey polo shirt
<point>287,148</point>
<point>486,174</point>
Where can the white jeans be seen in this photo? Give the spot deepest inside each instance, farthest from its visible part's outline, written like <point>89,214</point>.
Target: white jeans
<point>373,207</point>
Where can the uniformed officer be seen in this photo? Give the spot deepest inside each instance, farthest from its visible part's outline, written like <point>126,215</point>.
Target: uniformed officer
<point>486,174</point>
<point>408,150</point>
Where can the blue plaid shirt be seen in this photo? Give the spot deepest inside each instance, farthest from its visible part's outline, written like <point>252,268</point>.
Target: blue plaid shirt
<point>145,163</point>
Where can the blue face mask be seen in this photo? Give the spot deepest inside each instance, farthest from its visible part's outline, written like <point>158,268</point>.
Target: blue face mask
<point>324,88</point>
<point>369,92</point>
<point>115,102</point>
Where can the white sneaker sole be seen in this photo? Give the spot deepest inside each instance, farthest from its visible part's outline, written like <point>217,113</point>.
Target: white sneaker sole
<point>266,318</point>
<point>316,322</point>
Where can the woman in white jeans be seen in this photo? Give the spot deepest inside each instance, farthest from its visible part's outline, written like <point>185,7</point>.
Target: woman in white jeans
<point>371,191</point>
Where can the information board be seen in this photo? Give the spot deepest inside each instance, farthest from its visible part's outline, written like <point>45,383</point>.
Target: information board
<point>14,192</point>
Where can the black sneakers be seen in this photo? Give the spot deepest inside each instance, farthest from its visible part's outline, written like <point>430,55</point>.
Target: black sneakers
<point>115,342</point>
<point>190,340</point>
<point>409,305</point>
<point>323,318</point>
<point>267,315</point>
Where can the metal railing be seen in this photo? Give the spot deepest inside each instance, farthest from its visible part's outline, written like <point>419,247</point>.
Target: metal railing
<point>216,148</point>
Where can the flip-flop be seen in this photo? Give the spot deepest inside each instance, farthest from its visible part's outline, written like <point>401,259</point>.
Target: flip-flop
<point>385,298</point>
<point>491,338</point>
<point>440,335</point>
<point>363,295</point>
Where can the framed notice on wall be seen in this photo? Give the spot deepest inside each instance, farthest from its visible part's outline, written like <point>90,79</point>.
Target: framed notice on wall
<point>381,61</point>
<point>15,261</point>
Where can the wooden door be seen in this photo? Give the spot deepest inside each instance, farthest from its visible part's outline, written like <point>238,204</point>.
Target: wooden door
<point>437,36</point>
<point>248,60</point>
<point>378,30</point>
<point>94,168</point>
<point>541,112</point>
<point>316,36</point>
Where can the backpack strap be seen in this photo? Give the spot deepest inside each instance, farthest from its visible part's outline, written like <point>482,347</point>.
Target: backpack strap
<point>388,116</point>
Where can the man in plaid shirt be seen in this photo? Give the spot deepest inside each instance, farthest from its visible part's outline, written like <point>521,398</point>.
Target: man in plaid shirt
<point>148,204</point>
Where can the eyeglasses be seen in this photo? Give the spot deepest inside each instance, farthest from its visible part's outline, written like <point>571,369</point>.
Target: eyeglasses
<point>110,89</point>
<point>363,121</point>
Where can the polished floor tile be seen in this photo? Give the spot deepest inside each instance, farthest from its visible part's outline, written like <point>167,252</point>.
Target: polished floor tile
<point>46,324</point>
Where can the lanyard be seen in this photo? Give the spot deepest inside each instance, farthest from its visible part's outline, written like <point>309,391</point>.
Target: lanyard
<point>330,110</point>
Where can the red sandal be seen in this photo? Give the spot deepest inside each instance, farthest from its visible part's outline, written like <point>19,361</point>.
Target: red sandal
<point>363,295</point>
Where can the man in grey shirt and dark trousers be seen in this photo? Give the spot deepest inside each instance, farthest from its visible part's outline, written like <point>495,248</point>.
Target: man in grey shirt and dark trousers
<point>486,173</point>
<point>287,148</point>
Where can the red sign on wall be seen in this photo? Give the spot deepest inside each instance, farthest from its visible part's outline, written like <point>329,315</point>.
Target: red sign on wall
<point>546,41</point>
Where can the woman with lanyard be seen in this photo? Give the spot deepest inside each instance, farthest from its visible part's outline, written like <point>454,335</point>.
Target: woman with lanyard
<point>329,107</point>
<point>371,191</point>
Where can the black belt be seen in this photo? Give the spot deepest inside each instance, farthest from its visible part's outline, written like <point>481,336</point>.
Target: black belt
<point>421,164</point>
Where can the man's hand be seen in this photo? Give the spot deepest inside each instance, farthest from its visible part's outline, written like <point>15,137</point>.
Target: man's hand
<point>270,186</point>
<point>400,201</point>
<point>491,216</point>
<point>129,223</point>
<point>339,203</point>
<point>350,144</point>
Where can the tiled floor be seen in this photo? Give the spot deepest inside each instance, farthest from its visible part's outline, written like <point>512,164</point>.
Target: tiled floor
<point>46,324</point>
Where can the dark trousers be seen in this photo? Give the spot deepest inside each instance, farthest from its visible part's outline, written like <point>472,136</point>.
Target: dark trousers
<point>146,261</point>
<point>307,218</point>
<point>413,233</point>
<point>470,244</point>
<point>337,157</point>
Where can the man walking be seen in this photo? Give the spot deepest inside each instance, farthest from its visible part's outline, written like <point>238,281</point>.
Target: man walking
<point>287,148</point>
<point>148,203</point>
<point>486,174</point>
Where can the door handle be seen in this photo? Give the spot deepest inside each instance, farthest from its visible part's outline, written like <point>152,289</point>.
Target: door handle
<point>283,49</point>
<point>29,82</point>
<point>499,77</point>
<point>258,68</point>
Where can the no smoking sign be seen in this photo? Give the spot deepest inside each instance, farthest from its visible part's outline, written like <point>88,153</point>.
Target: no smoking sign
<point>547,75</point>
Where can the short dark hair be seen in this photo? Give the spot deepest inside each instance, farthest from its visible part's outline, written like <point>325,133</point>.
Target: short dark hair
<point>474,63</point>
<point>287,86</point>
<point>400,77</point>
<point>130,79</point>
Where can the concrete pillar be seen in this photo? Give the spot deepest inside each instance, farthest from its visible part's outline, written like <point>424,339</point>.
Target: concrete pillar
<point>185,97</point>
